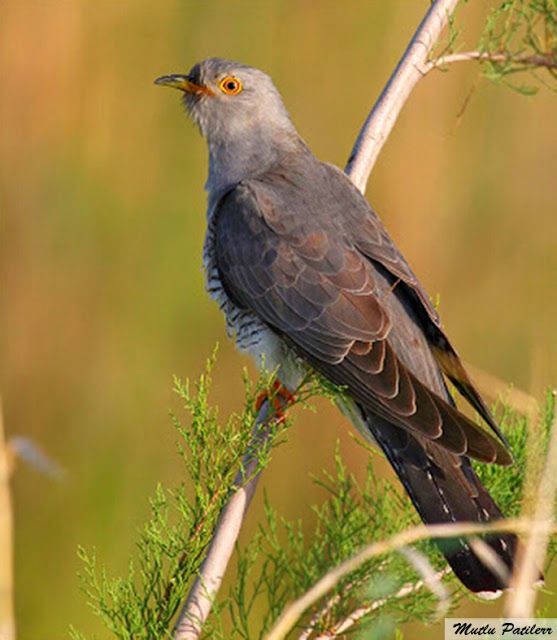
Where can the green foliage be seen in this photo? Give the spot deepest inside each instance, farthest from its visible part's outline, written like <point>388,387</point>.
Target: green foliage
<point>173,542</point>
<point>519,37</point>
<point>524,34</point>
<point>506,485</point>
<point>284,558</point>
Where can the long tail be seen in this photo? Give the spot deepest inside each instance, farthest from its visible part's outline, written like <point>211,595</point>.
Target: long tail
<point>444,488</point>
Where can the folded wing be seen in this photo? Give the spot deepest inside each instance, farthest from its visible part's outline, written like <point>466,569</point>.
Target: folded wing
<point>316,288</point>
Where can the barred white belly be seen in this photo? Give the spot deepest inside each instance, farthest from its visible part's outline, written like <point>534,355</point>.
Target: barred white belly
<point>252,335</point>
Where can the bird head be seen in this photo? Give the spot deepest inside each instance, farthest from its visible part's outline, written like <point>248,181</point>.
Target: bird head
<point>230,101</point>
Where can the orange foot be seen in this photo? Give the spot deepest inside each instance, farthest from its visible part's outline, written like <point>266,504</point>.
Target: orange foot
<point>280,398</point>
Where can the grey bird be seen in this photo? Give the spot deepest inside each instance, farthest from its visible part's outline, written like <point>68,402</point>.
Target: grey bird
<point>307,276</point>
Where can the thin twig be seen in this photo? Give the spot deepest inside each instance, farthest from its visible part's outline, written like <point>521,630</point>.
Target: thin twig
<point>521,601</point>
<point>405,77</point>
<point>430,577</point>
<point>331,579</point>
<point>7,619</point>
<point>526,60</point>
<point>200,599</point>
<point>325,609</point>
<point>489,558</point>
<point>331,602</point>
<point>360,612</point>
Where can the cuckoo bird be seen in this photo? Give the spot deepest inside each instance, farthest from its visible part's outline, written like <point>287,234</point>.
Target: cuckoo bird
<point>308,277</point>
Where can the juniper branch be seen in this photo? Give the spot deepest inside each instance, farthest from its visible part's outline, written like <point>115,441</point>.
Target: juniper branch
<point>200,599</point>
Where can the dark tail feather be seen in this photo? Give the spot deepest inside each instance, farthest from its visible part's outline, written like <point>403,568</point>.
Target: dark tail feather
<point>444,488</point>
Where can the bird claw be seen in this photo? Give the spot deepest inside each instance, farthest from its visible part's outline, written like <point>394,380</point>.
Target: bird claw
<point>279,397</point>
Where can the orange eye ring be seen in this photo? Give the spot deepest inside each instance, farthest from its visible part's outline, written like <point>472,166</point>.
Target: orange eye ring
<point>230,85</point>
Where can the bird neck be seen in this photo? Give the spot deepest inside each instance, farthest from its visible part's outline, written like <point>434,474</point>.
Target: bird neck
<point>232,160</point>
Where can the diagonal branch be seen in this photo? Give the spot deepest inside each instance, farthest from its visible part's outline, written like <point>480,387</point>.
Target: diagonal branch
<point>409,71</point>
<point>199,602</point>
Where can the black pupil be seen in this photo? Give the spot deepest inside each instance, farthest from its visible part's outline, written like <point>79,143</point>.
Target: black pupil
<point>231,85</point>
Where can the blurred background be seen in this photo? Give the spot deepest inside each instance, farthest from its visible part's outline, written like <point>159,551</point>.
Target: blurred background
<point>102,204</point>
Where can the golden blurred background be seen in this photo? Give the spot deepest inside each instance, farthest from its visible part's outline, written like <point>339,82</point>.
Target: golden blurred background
<point>102,204</point>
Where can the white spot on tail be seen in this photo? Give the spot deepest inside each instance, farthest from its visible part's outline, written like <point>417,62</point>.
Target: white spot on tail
<point>489,595</point>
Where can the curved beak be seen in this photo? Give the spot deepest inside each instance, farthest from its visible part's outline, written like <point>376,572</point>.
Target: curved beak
<point>183,83</point>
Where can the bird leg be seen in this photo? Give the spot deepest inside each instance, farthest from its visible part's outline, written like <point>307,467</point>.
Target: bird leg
<point>279,398</point>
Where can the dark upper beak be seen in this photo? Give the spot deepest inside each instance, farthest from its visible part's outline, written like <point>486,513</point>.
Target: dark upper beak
<point>183,83</point>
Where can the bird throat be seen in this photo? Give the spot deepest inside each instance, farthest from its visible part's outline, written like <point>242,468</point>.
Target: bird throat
<point>235,159</point>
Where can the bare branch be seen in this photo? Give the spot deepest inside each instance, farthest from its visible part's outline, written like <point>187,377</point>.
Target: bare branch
<point>430,578</point>
<point>489,558</point>
<point>330,580</point>
<point>531,61</point>
<point>200,599</point>
<point>355,616</point>
<point>331,602</point>
<point>7,620</point>
<point>405,77</point>
<point>358,614</point>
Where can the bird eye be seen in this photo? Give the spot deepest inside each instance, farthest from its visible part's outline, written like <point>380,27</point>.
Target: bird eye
<point>230,85</point>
